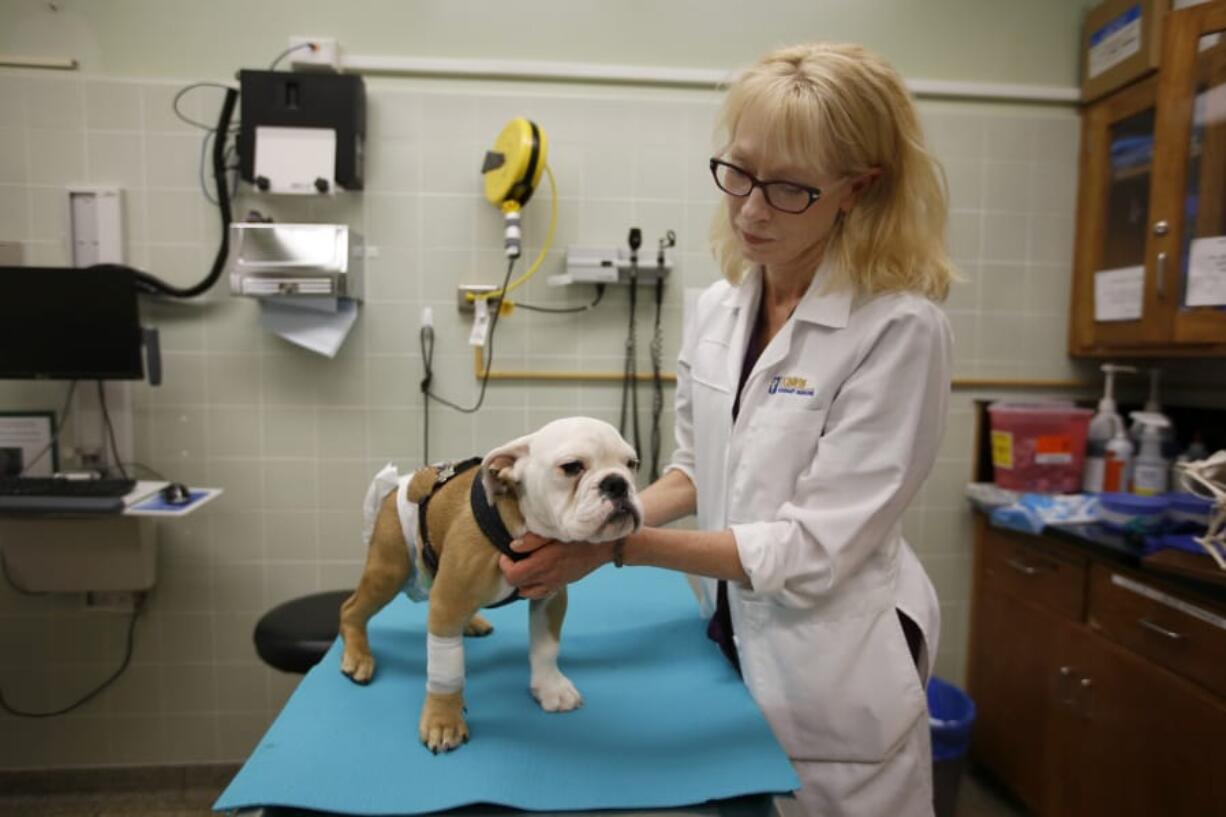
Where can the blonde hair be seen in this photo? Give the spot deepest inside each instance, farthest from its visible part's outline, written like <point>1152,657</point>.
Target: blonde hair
<point>841,110</point>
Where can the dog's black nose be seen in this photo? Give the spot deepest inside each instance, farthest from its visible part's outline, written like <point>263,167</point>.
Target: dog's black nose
<point>614,487</point>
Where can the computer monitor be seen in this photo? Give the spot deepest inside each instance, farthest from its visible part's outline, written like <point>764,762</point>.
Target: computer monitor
<point>66,323</point>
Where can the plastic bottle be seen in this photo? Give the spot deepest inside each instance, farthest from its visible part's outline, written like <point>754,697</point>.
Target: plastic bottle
<point>1117,467</point>
<point>1103,430</point>
<point>1151,471</point>
<point>1170,446</point>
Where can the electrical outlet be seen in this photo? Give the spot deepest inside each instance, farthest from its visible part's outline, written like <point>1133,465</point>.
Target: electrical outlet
<point>112,601</point>
<point>326,53</point>
<point>465,290</point>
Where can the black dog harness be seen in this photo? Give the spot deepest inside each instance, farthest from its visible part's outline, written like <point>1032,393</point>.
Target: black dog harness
<point>485,513</point>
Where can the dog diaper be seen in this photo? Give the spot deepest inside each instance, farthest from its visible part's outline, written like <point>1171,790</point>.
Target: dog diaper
<point>417,586</point>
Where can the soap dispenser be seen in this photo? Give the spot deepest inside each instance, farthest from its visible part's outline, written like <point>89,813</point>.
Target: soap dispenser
<point>1170,446</point>
<point>1151,471</point>
<point>1103,443</point>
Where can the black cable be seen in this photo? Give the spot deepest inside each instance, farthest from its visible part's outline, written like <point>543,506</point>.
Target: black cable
<point>289,51</point>
<point>151,285</point>
<point>563,310</point>
<point>429,374</point>
<point>8,578</point>
<point>425,337</point>
<point>110,429</point>
<point>657,353</point>
<point>55,435</point>
<point>630,374</point>
<point>174,103</point>
<point>89,696</point>
<point>657,384</point>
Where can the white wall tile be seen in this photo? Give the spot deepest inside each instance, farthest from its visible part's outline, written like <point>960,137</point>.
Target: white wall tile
<point>116,159</point>
<point>393,115</point>
<point>14,213</point>
<point>1007,186</point>
<point>1009,138</point>
<point>965,180</point>
<point>54,103</point>
<point>393,165</point>
<point>609,171</point>
<point>1004,287</point>
<point>1004,236</point>
<point>112,105</point>
<point>392,220</point>
<point>14,166</point>
<point>953,134</point>
<point>173,161</point>
<point>57,157</point>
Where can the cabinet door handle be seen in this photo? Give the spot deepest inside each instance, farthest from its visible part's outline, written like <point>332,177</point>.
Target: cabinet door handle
<point>1161,273</point>
<point>1085,693</point>
<point>1062,696</point>
<point>1022,567</point>
<point>1160,630</point>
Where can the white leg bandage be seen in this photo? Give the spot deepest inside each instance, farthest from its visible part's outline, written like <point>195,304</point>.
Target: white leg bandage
<point>444,664</point>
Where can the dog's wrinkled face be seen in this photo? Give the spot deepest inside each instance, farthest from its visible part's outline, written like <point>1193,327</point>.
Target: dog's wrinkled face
<point>574,479</point>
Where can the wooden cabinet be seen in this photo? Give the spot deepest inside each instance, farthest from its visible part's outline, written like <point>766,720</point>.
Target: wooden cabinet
<point>1151,210</point>
<point>1007,679</point>
<point>1096,686</point>
<point>1128,737</point>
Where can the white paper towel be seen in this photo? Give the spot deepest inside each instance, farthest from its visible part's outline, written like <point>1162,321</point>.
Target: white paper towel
<point>312,326</point>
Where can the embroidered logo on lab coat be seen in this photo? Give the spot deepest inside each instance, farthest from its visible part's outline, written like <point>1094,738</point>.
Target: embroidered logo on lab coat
<point>798,386</point>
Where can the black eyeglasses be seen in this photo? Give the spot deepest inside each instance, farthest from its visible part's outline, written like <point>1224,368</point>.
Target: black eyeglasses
<point>786,197</point>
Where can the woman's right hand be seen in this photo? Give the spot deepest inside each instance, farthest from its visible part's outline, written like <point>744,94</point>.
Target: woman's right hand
<point>552,565</point>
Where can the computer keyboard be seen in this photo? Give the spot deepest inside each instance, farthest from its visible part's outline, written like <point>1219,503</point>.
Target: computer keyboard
<point>52,495</point>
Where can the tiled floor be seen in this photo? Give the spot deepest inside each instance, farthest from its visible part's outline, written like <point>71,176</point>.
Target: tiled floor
<point>976,798</point>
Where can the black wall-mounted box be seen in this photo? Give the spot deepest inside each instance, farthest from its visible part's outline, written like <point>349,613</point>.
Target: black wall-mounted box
<point>288,99</point>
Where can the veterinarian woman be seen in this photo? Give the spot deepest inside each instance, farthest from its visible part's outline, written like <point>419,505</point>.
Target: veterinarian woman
<point>811,398</point>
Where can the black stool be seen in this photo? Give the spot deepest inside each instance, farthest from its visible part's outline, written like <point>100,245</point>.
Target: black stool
<point>294,635</point>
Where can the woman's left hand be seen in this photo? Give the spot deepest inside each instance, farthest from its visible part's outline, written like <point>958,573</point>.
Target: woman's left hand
<point>552,565</point>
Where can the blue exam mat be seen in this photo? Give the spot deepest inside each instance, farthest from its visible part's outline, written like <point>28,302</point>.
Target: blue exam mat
<point>665,720</point>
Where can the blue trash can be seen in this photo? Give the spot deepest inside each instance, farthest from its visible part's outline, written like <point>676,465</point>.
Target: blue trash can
<point>951,714</point>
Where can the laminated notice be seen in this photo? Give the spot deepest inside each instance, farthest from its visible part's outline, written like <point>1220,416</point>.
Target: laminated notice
<point>1115,42</point>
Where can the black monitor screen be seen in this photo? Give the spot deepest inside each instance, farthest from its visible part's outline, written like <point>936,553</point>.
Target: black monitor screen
<point>68,323</point>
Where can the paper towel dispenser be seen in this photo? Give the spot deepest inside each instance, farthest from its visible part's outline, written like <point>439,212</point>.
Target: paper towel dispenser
<point>271,259</point>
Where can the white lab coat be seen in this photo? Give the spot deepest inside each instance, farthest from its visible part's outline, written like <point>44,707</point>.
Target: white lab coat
<point>839,424</point>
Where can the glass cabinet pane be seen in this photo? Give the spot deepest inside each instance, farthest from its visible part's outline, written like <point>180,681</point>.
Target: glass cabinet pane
<point>1127,211</point>
<point>1203,268</point>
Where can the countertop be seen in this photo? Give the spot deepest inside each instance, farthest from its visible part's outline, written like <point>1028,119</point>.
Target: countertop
<point>1198,574</point>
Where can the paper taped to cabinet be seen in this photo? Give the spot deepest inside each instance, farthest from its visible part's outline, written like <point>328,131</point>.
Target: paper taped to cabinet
<point>1119,294</point>
<point>1207,272</point>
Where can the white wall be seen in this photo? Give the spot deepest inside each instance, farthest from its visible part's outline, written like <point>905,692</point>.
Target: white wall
<point>988,40</point>
<point>294,438</point>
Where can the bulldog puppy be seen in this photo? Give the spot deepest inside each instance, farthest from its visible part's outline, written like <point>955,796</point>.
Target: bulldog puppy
<point>573,481</point>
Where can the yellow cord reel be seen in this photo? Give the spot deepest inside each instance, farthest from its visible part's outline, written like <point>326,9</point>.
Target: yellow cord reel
<point>512,170</point>
<point>513,167</point>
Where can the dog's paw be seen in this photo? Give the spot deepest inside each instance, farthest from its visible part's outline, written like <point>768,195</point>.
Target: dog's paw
<point>442,727</point>
<point>477,626</point>
<point>358,665</point>
<point>555,693</point>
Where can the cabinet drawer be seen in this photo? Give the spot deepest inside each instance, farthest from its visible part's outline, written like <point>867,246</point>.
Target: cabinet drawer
<point>1053,581</point>
<point>1185,637</point>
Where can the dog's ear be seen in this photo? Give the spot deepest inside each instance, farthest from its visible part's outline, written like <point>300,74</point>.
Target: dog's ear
<point>498,472</point>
